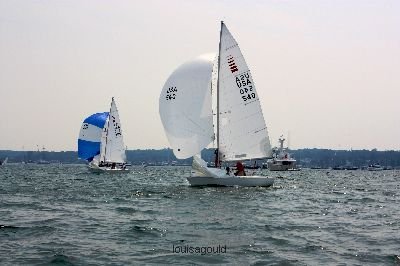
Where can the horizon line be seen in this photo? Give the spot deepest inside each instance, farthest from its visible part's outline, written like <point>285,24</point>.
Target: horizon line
<point>168,148</point>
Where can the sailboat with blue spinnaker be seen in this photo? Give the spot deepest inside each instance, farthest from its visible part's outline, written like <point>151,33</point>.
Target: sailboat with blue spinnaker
<point>101,142</point>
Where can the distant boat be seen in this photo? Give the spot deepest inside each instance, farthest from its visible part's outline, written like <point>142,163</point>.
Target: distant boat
<point>350,167</point>
<point>41,161</point>
<point>318,168</point>
<point>186,114</point>
<point>375,167</point>
<point>282,161</point>
<point>101,142</point>
<point>346,167</point>
<point>4,162</point>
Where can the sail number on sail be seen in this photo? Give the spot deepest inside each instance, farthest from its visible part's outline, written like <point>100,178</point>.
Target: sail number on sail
<point>171,93</point>
<point>117,127</point>
<point>243,81</point>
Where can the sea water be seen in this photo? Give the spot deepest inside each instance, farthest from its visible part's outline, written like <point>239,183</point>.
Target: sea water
<point>65,215</point>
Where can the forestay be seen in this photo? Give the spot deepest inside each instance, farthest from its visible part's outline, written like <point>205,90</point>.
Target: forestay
<point>242,130</point>
<point>185,107</point>
<point>112,141</point>
<point>90,135</point>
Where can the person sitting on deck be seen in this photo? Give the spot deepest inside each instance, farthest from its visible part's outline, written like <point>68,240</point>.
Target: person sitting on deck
<point>240,169</point>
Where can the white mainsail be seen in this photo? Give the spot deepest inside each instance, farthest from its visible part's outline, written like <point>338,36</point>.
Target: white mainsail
<point>112,142</point>
<point>242,130</point>
<point>185,107</point>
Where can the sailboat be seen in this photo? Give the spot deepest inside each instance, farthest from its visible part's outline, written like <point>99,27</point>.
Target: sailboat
<point>101,142</point>
<point>186,111</point>
<point>3,162</point>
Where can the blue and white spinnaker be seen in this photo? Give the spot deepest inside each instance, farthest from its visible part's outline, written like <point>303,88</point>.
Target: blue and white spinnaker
<point>90,136</point>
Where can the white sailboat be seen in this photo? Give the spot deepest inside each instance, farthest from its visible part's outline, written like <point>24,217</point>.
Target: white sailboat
<point>186,114</point>
<point>101,142</point>
<point>4,162</point>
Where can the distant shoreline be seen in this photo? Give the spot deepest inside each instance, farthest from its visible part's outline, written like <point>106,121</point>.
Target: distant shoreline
<point>163,149</point>
<point>323,158</point>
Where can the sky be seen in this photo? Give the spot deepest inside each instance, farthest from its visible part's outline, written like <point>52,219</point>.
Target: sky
<point>327,72</point>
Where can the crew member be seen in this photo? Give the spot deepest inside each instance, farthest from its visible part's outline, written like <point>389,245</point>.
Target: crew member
<point>240,169</point>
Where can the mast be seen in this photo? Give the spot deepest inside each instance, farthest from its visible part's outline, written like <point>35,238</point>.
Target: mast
<point>108,125</point>
<point>281,140</point>
<point>219,65</point>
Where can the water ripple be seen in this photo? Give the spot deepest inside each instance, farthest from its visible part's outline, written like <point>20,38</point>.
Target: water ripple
<point>62,214</point>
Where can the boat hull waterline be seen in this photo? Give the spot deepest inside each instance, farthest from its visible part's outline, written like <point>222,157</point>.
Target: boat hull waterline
<point>97,169</point>
<point>244,181</point>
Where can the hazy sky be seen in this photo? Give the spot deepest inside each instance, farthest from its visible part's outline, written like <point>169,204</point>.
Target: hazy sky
<point>328,72</point>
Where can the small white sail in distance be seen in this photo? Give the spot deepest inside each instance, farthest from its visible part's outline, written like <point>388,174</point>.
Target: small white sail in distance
<point>185,107</point>
<point>112,142</point>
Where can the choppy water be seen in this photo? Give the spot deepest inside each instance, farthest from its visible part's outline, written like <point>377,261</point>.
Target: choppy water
<point>62,214</point>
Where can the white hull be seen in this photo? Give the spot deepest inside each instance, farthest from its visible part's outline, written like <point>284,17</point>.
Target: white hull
<point>282,165</point>
<point>96,169</point>
<point>202,175</point>
<point>243,181</point>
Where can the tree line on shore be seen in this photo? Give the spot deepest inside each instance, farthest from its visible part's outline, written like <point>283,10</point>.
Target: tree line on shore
<point>305,157</point>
